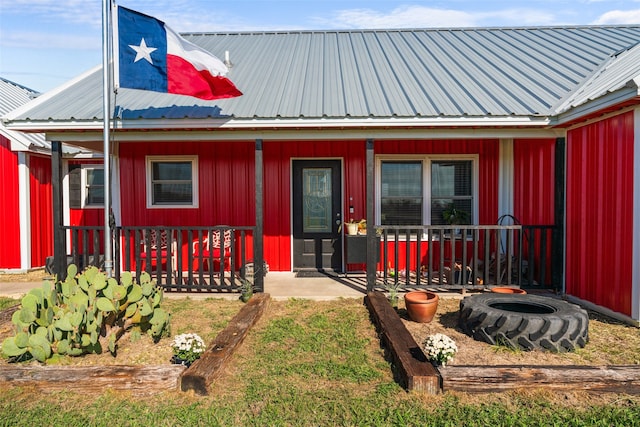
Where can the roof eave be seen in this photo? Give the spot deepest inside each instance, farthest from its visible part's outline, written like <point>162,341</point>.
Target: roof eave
<point>289,123</point>
<point>613,100</point>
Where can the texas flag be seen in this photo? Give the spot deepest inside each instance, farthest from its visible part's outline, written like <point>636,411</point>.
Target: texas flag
<point>151,56</point>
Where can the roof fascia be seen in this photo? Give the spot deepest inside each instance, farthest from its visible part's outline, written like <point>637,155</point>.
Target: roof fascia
<point>93,140</point>
<point>282,124</point>
<point>604,102</point>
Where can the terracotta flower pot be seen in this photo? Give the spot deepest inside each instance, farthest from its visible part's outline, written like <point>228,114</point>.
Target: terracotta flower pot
<point>421,305</point>
<point>508,290</point>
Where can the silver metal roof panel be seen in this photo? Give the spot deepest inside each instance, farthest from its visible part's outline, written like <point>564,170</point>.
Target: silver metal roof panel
<point>376,74</point>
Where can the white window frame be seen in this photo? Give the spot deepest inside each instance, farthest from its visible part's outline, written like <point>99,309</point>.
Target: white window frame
<point>426,160</point>
<point>168,159</point>
<point>84,193</point>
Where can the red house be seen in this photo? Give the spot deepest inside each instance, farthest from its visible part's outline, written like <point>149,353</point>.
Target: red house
<point>26,223</point>
<point>477,156</point>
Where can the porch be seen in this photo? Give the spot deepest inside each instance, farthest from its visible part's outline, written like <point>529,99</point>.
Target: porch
<point>219,259</point>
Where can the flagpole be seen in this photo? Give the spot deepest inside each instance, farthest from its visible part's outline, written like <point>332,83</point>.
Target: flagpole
<point>106,112</point>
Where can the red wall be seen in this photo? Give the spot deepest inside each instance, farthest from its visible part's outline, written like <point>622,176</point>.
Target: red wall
<point>534,181</point>
<point>227,187</point>
<point>226,184</point>
<point>278,155</point>
<point>41,209</point>
<point>600,212</point>
<point>9,207</point>
<point>487,149</point>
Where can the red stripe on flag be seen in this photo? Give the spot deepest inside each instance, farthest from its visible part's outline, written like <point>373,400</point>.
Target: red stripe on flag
<point>184,79</point>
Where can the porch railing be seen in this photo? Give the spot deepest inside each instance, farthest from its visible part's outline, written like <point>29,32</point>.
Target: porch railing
<point>467,256</point>
<point>213,259</point>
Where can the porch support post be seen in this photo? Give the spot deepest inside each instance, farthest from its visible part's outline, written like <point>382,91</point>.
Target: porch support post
<point>372,241</point>
<point>558,234</point>
<point>59,237</point>
<point>258,250</point>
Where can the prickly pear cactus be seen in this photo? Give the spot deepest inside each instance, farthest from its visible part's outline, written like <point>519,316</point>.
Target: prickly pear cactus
<point>85,313</point>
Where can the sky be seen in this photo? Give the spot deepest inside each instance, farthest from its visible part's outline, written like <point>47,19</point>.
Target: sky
<point>45,43</point>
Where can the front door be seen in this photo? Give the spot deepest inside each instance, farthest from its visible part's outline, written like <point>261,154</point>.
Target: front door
<point>317,196</point>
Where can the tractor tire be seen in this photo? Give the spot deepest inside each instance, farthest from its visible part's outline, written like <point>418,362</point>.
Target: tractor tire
<point>526,322</point>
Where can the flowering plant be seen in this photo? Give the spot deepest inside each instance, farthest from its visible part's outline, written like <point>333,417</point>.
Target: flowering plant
<point>440,349</point>
<point>187,347</point>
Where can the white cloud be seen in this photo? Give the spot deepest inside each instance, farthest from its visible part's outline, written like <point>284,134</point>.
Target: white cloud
<point>617,17</point>
<point>402,17</point>
<point>427,17</point>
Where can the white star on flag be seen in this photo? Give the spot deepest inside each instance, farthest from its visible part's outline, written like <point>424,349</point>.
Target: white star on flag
<point>142,51</point>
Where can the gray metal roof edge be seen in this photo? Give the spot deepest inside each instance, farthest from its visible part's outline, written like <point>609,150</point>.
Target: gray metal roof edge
<point>564,105</point>
<point>47,95</point>
<point>282,123</point>
<point>408,29</point>
<point>610,99</point>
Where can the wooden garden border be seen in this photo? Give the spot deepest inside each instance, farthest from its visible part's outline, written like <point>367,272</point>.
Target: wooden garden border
<point>416,373</point>
<point>139,379</point>
<point>412,367</point>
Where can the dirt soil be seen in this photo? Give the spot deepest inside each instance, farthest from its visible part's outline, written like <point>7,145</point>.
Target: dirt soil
<point>610,342</point>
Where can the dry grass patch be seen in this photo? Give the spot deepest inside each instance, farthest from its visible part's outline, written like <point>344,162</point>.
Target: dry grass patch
<point>204,317</point>
<point>610,342</point>
<point>36,275</point>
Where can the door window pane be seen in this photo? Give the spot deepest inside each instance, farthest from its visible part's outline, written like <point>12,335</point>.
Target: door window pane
<point>316,200</point>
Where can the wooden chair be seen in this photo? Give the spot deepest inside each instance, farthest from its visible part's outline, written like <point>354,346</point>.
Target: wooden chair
<point>215,249</point>
<point>154,245</point>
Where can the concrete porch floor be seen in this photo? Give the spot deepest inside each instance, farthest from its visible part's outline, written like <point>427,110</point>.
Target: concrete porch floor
<point>280,285</point>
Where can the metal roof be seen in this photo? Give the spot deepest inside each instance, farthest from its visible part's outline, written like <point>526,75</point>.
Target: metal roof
<point>422,74</point>
<point>621,71</point>
<point>12,96</point>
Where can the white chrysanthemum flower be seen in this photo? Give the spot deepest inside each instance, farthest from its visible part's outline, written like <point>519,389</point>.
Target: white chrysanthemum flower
<point>440,348</point>
<point>188,346</point>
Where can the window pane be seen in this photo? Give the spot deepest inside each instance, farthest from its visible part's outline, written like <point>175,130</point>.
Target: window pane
<point>95,177</point>
<point>172,194</point>
<point>451,211</point>
<point>401,189</point>
<point>451,192</point>
<point>172,171</point>
<point>94,187</point>
<point>451,178</point>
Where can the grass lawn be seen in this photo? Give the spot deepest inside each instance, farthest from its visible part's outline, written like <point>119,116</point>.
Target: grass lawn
<point>308,363</point>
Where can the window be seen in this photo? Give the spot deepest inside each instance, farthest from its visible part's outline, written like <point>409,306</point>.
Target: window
<point>430,190</point>
<point>86,186</point>
<point>171,181</point>
<point>93,186</point>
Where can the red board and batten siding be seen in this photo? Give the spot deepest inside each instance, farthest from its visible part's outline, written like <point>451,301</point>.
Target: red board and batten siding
<point>227,187</point>
<point>225,179</point>
<point>41,202</point>
<point>600,160</point>
<point>488,157</point>
<point>534,181</point>
<point>9,207</point>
